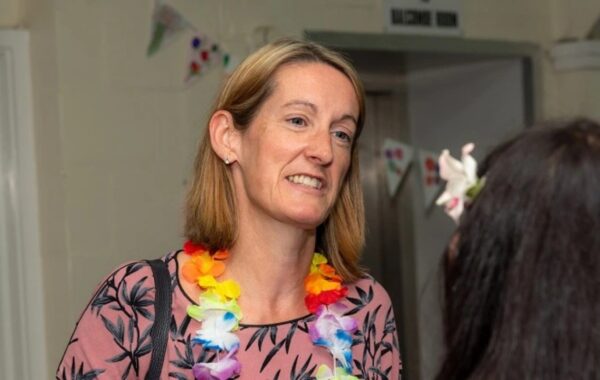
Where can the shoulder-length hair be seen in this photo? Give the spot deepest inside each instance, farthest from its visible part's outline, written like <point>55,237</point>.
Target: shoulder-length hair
<point>522,290</point>
<point>211,214</point>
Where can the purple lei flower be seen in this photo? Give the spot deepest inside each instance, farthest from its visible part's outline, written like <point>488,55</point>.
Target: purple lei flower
<point>334,331</point>
<point>223,369</point>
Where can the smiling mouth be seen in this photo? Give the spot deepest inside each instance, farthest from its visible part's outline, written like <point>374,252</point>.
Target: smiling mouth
<point>305,180</point>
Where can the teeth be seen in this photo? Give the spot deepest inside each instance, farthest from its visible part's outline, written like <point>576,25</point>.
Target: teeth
<point>306,181</point>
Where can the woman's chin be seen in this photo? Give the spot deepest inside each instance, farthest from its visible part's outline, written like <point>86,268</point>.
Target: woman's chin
<point>307,221</point>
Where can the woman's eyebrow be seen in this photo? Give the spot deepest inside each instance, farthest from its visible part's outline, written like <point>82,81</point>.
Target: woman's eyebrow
<point>314,109</point>
<point>304,103</point>
<point>348,117</point>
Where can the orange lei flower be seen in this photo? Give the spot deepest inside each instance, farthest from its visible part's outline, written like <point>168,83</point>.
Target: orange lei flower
<point>323,285</point>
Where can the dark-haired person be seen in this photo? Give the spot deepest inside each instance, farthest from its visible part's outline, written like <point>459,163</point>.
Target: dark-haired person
<point>268,284</point>
<point>522,281</point>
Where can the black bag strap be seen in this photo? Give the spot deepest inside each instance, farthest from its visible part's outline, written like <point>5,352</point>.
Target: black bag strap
<point>162,317</point>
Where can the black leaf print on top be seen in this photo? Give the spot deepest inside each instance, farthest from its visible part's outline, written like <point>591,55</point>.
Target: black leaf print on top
<point>131,305</point>
<point>117,330</point>
<point>377,371</point>
<point>364,299</point>
<point>186,359</point>
<point>126,372</point>
<point>77,372</point>
<point>358,365</point>
<point>288,337</point>
<point>101,300</point>
<point>375,346</point>
<point>273,334</point>
<point>260,335</point>
<point>270,355</point>
<point>143,350</point>
<point>305,372</point>
<point>130,269</point>
<point>303,325</point>
<point>118,357</point>
<point>177,375</point>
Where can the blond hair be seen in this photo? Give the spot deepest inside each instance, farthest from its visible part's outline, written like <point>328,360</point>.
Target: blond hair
<point>210,213</point>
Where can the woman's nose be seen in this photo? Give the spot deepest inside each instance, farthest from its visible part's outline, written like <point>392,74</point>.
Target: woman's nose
<point>319,147</point>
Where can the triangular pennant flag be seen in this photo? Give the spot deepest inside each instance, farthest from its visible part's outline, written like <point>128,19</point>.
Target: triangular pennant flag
<point>430,176</point>
<point>166,22</point>
<point>398,157</point>
<point>204,53</point>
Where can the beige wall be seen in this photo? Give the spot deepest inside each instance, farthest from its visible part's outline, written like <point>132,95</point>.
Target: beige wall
<point>116,131</point>
<point>11,12</point>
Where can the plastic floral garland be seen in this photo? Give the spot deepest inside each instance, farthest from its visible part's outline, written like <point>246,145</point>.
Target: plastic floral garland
<point>220,315</point>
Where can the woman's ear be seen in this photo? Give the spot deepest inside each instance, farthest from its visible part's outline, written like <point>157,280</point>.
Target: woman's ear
<point>223,136</point>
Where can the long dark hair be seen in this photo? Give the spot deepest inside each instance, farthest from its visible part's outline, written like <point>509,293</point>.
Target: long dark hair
<point>522,289</point>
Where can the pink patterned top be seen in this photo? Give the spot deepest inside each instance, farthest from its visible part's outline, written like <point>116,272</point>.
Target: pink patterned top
<point>112,338</point>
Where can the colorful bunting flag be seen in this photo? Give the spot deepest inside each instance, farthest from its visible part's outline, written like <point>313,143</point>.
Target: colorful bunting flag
<point>398,157</point>
<point>430,176</point>
<point>166,23</point>
<point>204,53</point>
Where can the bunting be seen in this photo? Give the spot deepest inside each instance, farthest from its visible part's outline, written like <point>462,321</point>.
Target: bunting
<point>398,157</point>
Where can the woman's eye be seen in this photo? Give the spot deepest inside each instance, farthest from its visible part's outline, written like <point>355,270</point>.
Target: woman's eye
<point>343,136</point>
<point>298,121</point>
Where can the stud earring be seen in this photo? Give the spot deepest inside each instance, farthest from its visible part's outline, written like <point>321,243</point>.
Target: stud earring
<point>226,160</point>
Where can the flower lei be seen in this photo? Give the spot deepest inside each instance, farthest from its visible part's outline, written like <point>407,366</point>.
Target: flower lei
<point>462,183</point>
<point>220,315</point>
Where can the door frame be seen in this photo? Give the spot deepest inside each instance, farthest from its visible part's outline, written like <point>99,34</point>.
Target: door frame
<point>529,54</point>
<point>22,320</point>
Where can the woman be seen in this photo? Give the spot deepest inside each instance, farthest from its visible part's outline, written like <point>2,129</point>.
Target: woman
<point>522,279</point>
<point>276,180</point>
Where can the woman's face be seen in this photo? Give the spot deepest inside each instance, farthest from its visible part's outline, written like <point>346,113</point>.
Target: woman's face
<point>293,158</point>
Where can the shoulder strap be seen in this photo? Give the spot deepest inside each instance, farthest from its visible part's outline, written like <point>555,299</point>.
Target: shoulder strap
<point>162,316</point>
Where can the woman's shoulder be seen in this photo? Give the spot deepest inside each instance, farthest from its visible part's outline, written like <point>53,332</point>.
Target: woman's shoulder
<point>368,293</point>
<point>130,271</point>
<point>140,267</point>
<point>367,286</point>
<point>115,325</point>
<point>131,279</point>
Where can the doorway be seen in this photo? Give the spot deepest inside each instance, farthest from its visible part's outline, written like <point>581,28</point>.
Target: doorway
<point>430,93</point>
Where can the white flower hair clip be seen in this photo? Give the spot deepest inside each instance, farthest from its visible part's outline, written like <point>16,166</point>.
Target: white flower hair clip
<point>462,184</point>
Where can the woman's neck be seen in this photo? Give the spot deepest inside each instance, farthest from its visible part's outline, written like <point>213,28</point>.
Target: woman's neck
<point>270,266</point>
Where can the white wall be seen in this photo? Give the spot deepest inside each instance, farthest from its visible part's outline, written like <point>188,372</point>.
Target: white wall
<point>116,131</point>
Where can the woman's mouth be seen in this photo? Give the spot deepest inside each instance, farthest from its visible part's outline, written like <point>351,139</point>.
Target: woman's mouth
<point>305,180</point>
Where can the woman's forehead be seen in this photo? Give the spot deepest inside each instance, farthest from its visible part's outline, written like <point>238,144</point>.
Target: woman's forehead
<point>314,85</point>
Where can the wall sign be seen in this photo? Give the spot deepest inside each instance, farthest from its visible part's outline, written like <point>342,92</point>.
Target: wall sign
<point>432,17</point>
